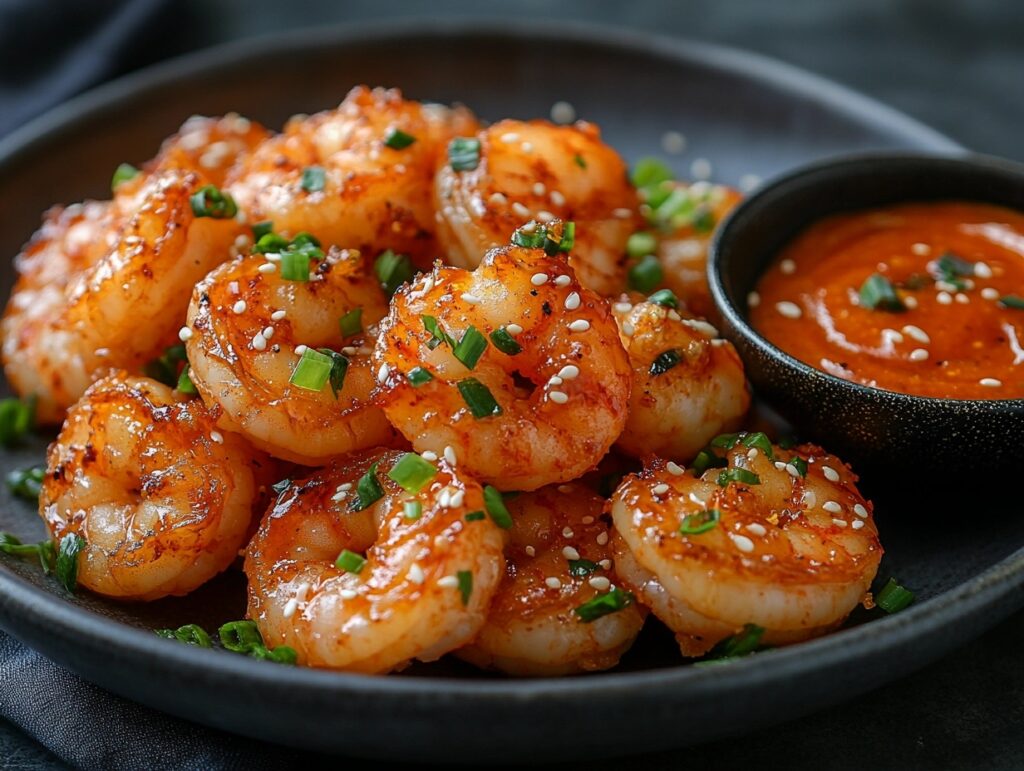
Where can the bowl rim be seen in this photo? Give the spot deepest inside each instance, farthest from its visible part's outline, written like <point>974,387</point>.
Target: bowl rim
<point>827,169</point>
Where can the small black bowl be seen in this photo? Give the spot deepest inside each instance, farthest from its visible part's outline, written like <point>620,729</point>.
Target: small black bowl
<point>870,427</point>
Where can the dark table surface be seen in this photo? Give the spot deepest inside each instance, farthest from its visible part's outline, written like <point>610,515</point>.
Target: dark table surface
<point>956,65</point>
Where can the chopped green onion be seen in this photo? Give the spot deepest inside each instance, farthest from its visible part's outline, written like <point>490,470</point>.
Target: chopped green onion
<point>664,362</point>
<point>44,551</point>
<point>704,220</point>
<point>294,266</point>
<point>1012,301</point>
<point>707,459</point>
<point>664,297</point>
<point>581,567</point>
<point>282,654</point>
<point>397,139</point>
<point>676,207</point>
<point>650,171</point>
<point>123,173</point>
<point>312,371</point>
<point>603,604</point>
<point>190,634</point>
<point>725,441</point>
<point>949,267</point>
<point>412,472</point>
<point>351,323</point>
<point>494,502</point>
<point>350,562</point>
<point>16,419</point>
<point>741,475</point>
<point>67,560</point>
<point>314,178</point>
<point>208,201</point>
<point>701,522</point>
<point>304,239</point>
<point>478,398</point>
<point>799,464</point>
<point>579,161</point>
<point>471,347</point>
<point>475,516</point>
<point>530,236</point>
<point>26,483</point>
<point>368,489</point>
<point>413,510</point>
<point>164,369</point>
<point>261,229</point>
<point>761,441</point>
<point>437,333</point>
<point>339,368</point>
<point>877,292</point>
<point>185,384</point>
<point>464,154</point>
<point>392,270</point>
<point>465,579</point>
<point>504,342</point>
<point>563,243</point>
<point>270,243</point>
<point>645,274</point>
<point>418,376</point>
<point>641,244</point>
<point>893,597</point>
<point>741,644</point>
<point>239,636</point>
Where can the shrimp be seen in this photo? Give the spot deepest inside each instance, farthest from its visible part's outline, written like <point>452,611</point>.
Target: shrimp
<point>432,564</point>
<point>210,146</point>
<point>248,329</point>
<point>347,177</point>
<point>688,384</point>
<point>538,170</point>
<point>777,538</point>
<point>540,404</point>
<point>162,499</point>
<point>557,610</point>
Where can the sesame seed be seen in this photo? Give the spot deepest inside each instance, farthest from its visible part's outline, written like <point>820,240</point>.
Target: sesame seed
<point>788,309</point>
<point>565,488</point>
<point>510,137</point>
<point>753,299</point>
<point>752,453</point>
<point>301,349</point>
<point>563,281</point>
<point>344,486</point>
<point>962,298</point>
<point>472,299</point>
<point>416,573</point>
<point>557,198</point>
<point>891,335</point>
<point>858,524</point>
<point>278,315</point>
<point>757,529</point>
<point>830,473</point>
<point>788,267</point>
<point>349,350</point>
<point>674,468</point>
<point>539,189</point>
<point>982,270</point>
<point>267,267</point>
<point>572,302</point>
<point>339,497</point>
<point>558,397</point>
<point>570,553</point>
<point>545,216</point>
<point>605,563</point>
<point>833,507</point>
<point>622,213</point>
<point>990,382</point>
<point>184,334</point>
<point>530,551</point>
<point>780,465</point>
<point>539,279</point>
<point>569,372</point>
<point>622,307</point>
<point>990,293</point>
<point>809,499</point>
<point>259,342</point>
<point>553,582</point>
<point>457,498</point>
<point>239,307</point>
<point>428,455</point>
<point>628,329</point>
<point>233,287</point>
<point>839,522</point>
<point>498,199</point>
<point>448,582</point>
<point>449,455</point>
<point>910,301</point>
<point>672,142</point>
<point>917,333</point>
<point>743,543</point>
<point>701,168</point>
<point>588,520</point>
<point>601,583</point>
<point>268,332</point>
<point>289,607</point>
<point>520,210</point>
<point>348,594</point>
<point>101,352</point>
<point>943,298</point>
<point>921,250</point>
<point>660,489</point>
<point>860,511</point>
<point>555,380</point>
<point>918,354</point>
<point>602,539</point>
<point>444,498</point>
<point>793,471</point>
<point>217,437</point>
<point>580,325</point>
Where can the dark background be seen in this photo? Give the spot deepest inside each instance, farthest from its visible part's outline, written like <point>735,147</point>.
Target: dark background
<point>956,65</point>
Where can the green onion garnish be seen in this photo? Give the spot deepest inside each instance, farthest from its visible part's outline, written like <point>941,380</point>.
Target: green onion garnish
<point>208,201</point>
<point>465,579</point>
<point>531,236</point>
<point>581,567</point>
<point>437,333</point>
<point>312,371</point>
<point>270,243</point>
<point>413,510</point>
<point>418,376</point>
<point>949,267</point>
<point>564,241</point>
<point>164,369</point>
<point>475,516</point>
<point>43,551</point>
<point>261,229</point>
<point>314,178</point>
<point>740,475</point>
<point>123,173</point>
<point>603,604</point>
<point>67,560</point>
<point>295,266</point>
<point>411,472</point>
<point>725,441</point>
<point>397,139</point>
<point>351,323</point>
<point>645,274</point>
<point>707,459</point>
<point>1012,301</point>
<point>741,644</point>
<point>799,464</point>
<point>16,419</point>
<point>350,562</point>
<point>339,368</point>
<point>704,220</point>
<point>244,637</point>
<point>579,161</point>
<point>664,297</point>
<point>26,483</point>
<point>494,502</point>
<point>761,441</point>
<point>185,384</point>
<point>392,270</point>
<point>504,342</point>
<point>368,490</point>
<point>893,597</point>
<point>471,347</point>
<point>464,154</point>
<point>664,362</point>
<point>190,634</point>
<point>478,398</point>
<point>641,244</point>
<point>877,292</point>
<point>701,522</point>
<point>648,172</point>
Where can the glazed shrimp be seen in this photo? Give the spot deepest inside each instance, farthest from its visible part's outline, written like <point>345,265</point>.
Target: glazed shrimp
<point>430,568</point>
<point>247,329</point>
<point>335,174</point>
<point>558,610</point>
<point>540,404</point>
<point>783,540</point>
<point>210,146</point>
<point>688,384</point>
<point>163,500</point>
<point>536,170</point>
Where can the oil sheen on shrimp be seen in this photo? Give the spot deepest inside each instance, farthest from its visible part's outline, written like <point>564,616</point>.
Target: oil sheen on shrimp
<point>536,170</point>
<point>429,575</point>
<point>163,500</point>
<point>783,540</point>
<point>558,566</point>
<point>548,394</point>
<point>248,328</point>
<point>342,175</point>
<point>688,384</point>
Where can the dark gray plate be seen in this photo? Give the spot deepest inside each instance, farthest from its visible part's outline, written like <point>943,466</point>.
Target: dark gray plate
<point>743,113</point>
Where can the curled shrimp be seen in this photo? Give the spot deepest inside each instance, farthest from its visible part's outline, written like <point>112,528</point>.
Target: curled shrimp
<point>558,610</point>
<point>536,170</point>
<point>249,328</point>
<point>342,176</point>
<point>541,403</point>
<point>688,384</point>
<point>430,570</point>
<point>162,499</point>
<point>781,539</point>
<point>210,146</point>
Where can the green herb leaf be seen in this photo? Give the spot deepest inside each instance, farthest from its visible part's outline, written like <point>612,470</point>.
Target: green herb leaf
<point>412,472</point>
<point>470,348</point>
<point>893,597</point>
<point>339,368</point>
<point>209,201</point>
<point>437,333</point>
<point>741,475</point>
<point>494,502</point>
<point>314,179</point>
<point>244,637</point>
<point>761,441</point>
<point>164,369</point>
<point>650,171</point>
<point>418,376</point>
<point>261,229</point>
<point>464,154</point>
<point>43,551</point>
<point>640,244</point>
<point>312,371</point>
<point>351,323</point>
<point>123,173</point>
<point>465,579</point>
<point>1012,301</point>
<point>582,567</point>
<point>878,293</point>
<point>664,297</point>
<point>392,270</point>
<point>350,562</point>
<point>645,274</point>
<point>475,516</point>
<point>579,161</point>
<point>504,342</point>
<point>742,644</point>
<point>949,267</point>
<point>279,488</point>
<point>67,560</point>
<point>664,362</point>
<point>190,634</point>
<point>478,398</point>
<point>368,490</point>
<point>611,602</point>
<point>707,459</point>
<point>26,483</point>
<point>701,522</point>
<point>397,139</point>
<point>530,236</point>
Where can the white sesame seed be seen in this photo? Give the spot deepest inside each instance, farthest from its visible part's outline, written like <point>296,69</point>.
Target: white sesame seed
<point>910,301</point>
<point>569,372</point>
<point>701,168</point>
<point>448,582</point>
<point>990,293</point>
<point>962,298</point>
<point>921,250</point>
<point>628,329</point>
<point>267,267</point>
<point>416,573</point>
<point>830,473</point>
<point>918,354</point>
<point>472,299</point>
<point>809,499</point>
<point>558,397</point>
<point>555,380</point>
<point>860,511</point>
<point>839,522</point>
<point>943,298</point>
<point>539,189</point>
<point>259,342</point>
<point>301,349</point>
<point>601,583</point>
<point>572,302</point>
<point>498,199</point>
<point>278,315</point>
<point>444,498</point>
<point>344,486</point>
<point>622,307</point>
<point>674,468</point>
<point>520,210</point>
<point>553,582</point>
<point>580,325</point>
<point>660,489</point>
<point>449,455</point>
<point>101,352</point>
<point>530,551</point>
<point>239,307</point>
<point>348,594</point>
<point>793,471</point>
<point>743,543</point>
<point>539,279</point>
<point>570,553</point>
<point>457,498</point>
<point>289,607</point>
<point>982,270</point>
<point>990,382</point>
<point>184,334</point>
<point>672,142</point>
<point>602,539</point>
<point>622,213</point>
<point>563,281</point>
<point>545,216</point>
<point>349,350</point>
<point>429,455</point>
<point>217,437</point>
<point>268,332</point>
<point>339,497</point>
<point>557,198</point>
<point>858,524</point>
<point>788,267</point>
<point>510,137</point>
<point>780,465</point>
<point>382,372</point>
<point>832,507</point>
<point>891,336</point>
<point>753,299</point>
<point>917,333</point>
<point>565,488</point>
<point>757,529</point>
<point>526,147</point>
<point>788,309</point>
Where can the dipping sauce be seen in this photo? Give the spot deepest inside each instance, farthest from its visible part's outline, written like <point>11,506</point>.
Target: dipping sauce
<point>924,299</point>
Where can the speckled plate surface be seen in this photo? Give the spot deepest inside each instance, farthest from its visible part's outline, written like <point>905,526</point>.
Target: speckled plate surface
<point>743,113</point>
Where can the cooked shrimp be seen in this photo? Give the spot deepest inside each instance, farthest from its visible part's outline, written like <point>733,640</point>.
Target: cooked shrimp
<point>162,499</point>
<point>430,570</point>
<point>548,395</point>
<point>249,329</point>
<point>129,268</point>
<point>535,170</point>
<point>335,174</point>
<point>210,146</point>
<point>558,610</point>
<point>777,538</point>
<point>688,384</point>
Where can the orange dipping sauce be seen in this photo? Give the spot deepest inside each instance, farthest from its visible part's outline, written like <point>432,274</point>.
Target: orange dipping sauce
<point>946,280</point>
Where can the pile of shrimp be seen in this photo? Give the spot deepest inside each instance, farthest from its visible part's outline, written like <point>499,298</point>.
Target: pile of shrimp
<point>448,387</point>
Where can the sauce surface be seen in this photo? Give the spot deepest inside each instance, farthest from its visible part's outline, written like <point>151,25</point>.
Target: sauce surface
<point>946,282</point>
